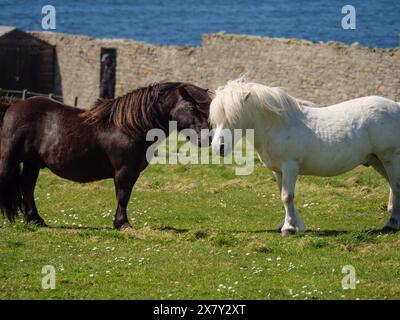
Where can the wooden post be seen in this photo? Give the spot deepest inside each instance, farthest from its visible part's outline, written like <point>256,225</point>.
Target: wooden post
<point>76,102</point>
<point>24,94</point>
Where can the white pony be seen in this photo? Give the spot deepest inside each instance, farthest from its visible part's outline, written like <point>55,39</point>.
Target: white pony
<point>293,138</point>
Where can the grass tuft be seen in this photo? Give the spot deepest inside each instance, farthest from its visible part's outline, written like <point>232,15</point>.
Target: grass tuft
<point>225,239</point>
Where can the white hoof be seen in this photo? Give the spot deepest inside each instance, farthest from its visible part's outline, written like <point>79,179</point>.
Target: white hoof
<point>287,230</point>
<point>281,226</point>
<point>296,225</point>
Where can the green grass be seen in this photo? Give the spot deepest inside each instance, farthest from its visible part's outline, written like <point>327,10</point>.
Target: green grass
<point>203,233</point>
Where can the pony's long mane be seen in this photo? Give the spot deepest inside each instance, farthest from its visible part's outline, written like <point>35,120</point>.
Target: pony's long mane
<point>6,101</point>
<point>136,111</point>
<point>239,97</point>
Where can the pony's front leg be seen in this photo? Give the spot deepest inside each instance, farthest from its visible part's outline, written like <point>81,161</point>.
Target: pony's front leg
<point>278,179</point>
<point>293,222</point>
<point>124,181</point>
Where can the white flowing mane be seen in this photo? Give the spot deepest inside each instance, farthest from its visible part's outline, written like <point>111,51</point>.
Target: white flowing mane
<point>239,97</point>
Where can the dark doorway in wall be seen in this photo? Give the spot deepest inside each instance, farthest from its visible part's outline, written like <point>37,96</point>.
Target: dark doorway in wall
<point>108,61</point>
<point>26,62</point>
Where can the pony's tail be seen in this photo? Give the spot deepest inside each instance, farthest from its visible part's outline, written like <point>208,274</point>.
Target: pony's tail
<point>10,195</point>
<point>3,109</point>
<point>5,103</point>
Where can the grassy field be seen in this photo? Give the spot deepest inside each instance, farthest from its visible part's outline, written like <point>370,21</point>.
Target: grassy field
<point>203,233</point>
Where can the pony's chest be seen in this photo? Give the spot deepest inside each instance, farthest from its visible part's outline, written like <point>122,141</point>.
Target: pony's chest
<point>274,147</point>
<point>269,160</point>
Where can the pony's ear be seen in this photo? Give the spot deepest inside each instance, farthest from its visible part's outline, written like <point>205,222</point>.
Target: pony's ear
<point>185,94</point>
<point>198,97</point>
<point>246,95</point>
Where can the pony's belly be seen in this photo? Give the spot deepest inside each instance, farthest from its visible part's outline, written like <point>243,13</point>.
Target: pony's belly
<point>81,173</point>
<point>325,172</point>
<point>330,168</point>
<point>79,167</point>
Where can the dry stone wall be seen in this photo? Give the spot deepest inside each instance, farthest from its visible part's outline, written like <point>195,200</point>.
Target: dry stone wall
<point>324,73</point>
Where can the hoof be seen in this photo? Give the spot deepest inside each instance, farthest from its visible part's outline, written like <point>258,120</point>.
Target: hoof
<point>286,233</point>
<point>124,226</point>
<point>279,228</point>
<point>41,224</point>
<point>38,222</point>
<point>387,229</point>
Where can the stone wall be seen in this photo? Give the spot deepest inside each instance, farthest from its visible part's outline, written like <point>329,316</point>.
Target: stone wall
<point>325,73</point>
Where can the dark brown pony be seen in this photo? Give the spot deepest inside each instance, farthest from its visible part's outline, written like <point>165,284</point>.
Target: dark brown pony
<point>107,141</point>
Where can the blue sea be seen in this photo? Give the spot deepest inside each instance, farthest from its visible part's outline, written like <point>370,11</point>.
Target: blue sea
<point>183,22</point>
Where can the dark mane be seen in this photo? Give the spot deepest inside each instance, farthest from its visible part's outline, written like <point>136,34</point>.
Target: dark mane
<point>138,111</point>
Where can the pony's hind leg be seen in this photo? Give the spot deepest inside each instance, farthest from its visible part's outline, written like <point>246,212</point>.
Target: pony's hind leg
<point>380,168</point>
<point>29,177</point>
<point>392,167</point>
<point>10,188</point>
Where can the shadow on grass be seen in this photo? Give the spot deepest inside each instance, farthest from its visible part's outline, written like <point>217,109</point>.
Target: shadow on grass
<point>358,235</point>
<point>77,228</point>
<point>82,228</point>
<point>318,233</point>
<point>173,229</point>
